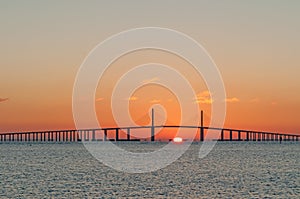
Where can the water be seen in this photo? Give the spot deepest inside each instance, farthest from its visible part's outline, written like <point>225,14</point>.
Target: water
<point>231,170</point>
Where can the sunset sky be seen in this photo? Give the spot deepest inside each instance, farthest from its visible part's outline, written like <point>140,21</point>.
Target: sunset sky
<point>255,45</point>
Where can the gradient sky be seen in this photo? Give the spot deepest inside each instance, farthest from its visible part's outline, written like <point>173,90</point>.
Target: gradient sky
<point>255,45</point>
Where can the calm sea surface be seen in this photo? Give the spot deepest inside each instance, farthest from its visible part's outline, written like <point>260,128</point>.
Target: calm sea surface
<point>231,170</point>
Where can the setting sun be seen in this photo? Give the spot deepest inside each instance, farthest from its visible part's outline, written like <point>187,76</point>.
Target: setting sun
<point>177,140</point>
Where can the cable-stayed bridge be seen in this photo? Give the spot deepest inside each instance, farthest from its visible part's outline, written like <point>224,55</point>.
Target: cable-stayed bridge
<point>117,134</point>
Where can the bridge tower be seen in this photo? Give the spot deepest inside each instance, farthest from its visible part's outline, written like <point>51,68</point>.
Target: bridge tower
<point>152,126</point>
<point>202,127</point>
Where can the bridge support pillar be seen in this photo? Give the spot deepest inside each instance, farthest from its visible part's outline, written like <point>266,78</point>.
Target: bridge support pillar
<point>105,135</point>
<point>128,134</point>
<point>93,135</point>
<point>222,135</point>
<point>152,126</point>
<point>201,134</point>
<point>74,135</point>
<point>117,134</point>
<point>202,127</point>
<point>70,136</point>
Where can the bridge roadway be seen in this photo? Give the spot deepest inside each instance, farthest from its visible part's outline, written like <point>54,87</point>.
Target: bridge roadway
<point>94,134</point>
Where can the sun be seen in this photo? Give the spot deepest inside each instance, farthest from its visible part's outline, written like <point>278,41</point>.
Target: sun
<point>177,140</point>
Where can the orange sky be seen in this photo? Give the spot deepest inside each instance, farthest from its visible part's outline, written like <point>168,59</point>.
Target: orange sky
<point>256,49</point>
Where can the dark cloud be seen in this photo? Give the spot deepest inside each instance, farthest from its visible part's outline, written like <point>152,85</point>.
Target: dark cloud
<point>3,99</point>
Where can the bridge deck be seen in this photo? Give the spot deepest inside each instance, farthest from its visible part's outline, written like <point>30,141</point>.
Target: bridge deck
<point>76,135</point>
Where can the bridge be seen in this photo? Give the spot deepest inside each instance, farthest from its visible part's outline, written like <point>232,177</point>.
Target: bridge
<point>101,134</point>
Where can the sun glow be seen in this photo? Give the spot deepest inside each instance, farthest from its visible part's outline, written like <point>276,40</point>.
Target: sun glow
<point>177,140</point>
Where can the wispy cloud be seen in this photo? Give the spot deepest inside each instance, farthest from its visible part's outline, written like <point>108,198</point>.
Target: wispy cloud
<point>3,99</point>
<point>147,81</point>
<point>232,100</point>
<point>132,98</point>
<point>203,97</point>
<point>274,103</point>
<point>155,101</point>
<point>99,99</point>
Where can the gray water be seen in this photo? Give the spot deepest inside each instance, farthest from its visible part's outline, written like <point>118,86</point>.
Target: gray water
<point>231,170</point>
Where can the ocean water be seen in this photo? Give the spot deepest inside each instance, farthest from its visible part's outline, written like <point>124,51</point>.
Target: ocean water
<point>231,170</point>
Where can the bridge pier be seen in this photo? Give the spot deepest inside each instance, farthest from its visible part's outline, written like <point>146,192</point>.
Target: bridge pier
<point>74,136</point>
<point>117,135</point>
<point>88,135</point>
<point>81,135</point>
<point>222,135</point>
<point>93,135</point>
<point>128,134</point>
<point>105,135</point>
<point>67,136</point>
<point>201,134</point>
<point>230,135</point>
<point>152,126</point>
<point>70,136</point>
<point>251,136</point>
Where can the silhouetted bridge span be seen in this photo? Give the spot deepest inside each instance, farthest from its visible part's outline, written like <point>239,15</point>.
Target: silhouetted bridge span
<point>102,134</point>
